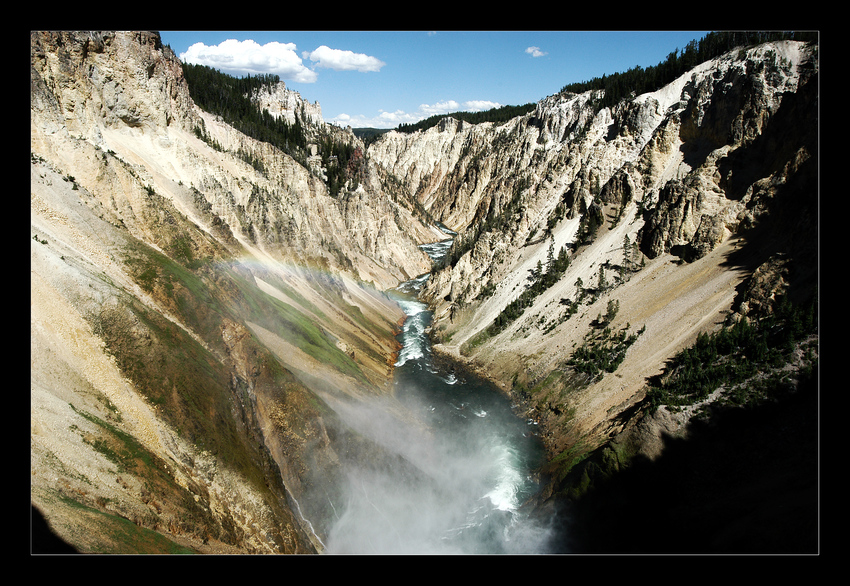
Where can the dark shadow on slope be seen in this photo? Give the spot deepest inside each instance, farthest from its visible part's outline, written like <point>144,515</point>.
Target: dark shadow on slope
<point>42,538</point>
<point>794,125</point>
<point>791,228</point>
<point>786,212</point>
<point>746,483</point>
<point>790,232</point>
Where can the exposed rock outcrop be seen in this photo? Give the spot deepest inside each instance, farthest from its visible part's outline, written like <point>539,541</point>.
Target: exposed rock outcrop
<point>289,105</point>
<point>188,310</point>
<point>690,172</point>
<point>200,328</point>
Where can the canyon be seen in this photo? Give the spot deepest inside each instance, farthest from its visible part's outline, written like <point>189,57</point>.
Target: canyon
<point>213,344</point>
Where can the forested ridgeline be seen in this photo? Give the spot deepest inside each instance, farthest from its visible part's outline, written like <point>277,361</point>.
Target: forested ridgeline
<point>639,80</point>
<point>230,98</point>
<point>496,115</point>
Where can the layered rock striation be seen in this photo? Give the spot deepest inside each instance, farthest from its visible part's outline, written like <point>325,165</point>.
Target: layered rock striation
<point>200,325</point>
<point>188,311</point>
<point>652,200</point>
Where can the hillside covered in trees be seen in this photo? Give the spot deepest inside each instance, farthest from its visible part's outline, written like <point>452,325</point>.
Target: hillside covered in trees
<point>230,98</point>
<point>495,115</point>
<point>639,80</point>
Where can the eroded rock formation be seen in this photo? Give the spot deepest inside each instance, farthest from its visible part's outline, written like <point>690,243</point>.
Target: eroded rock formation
<point>198,327</point>
<point>185,308</point>
<point>691,173</point>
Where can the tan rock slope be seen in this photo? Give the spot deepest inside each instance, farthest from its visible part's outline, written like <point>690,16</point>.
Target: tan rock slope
<point>177,334</point>
<point>200,328</point>
<point>679,179</point>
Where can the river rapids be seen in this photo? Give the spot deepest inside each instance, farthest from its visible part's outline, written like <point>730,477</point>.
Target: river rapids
<point>475,460</point>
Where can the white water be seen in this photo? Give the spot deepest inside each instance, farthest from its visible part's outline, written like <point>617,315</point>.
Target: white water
<point>465,473</point>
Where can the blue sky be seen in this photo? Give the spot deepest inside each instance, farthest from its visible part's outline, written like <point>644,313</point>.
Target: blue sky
<point>384,78</point>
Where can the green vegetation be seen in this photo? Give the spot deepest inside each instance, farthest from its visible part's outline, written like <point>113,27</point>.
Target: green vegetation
<point>121,448</point>
<point>561,465</point>
<point>170,367</point>
<point>540,280</point>
<point>230,98</point>
<point>639,80</point>
<point>745,357</point>
<point>340,161</point>
<point>496,221</point>
<point>496,115</point>
<point>605,351</point>
<point>296,326</point>
<point>732,356</point>
<point>369,135</point>
<point>117,535</point>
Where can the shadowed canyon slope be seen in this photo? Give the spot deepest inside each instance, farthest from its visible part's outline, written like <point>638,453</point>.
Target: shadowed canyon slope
<point>685,173</point>
<point>181,332</point>
<point>202,327</point>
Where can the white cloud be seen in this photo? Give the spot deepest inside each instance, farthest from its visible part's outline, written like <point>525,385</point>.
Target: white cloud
<point>340,60</point>
<point>386,119</point>
<point>382,120</point>
<point>480,105</point>
<point>535,52</point>
<point>449,106</point>
<point>443,107</point>
<point>391,119</point>
<point>252,58</point>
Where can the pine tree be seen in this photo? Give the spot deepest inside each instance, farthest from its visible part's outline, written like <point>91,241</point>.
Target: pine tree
<point>563,260</point>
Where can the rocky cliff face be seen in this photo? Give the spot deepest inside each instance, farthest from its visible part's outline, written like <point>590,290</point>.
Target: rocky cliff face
<point>187,311</point>
<point>652,200</point>
<point>199,329</point>
<point>289,105</point>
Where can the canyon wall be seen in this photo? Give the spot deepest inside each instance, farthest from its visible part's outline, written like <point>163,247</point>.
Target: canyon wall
<point>188,312</point>
<point>665,206</point>
<point>200,328</point>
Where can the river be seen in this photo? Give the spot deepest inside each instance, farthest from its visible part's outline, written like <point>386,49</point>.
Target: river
<point>474,465</point>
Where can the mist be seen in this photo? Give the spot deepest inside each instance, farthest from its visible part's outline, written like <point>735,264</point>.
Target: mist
<point>457,465</point>
<point>457,468</point>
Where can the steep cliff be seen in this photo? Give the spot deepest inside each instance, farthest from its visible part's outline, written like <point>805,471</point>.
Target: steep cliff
<point>189,312</point>
<point>651,218</point>
<point>288,104</point>
<point>201,326</point>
